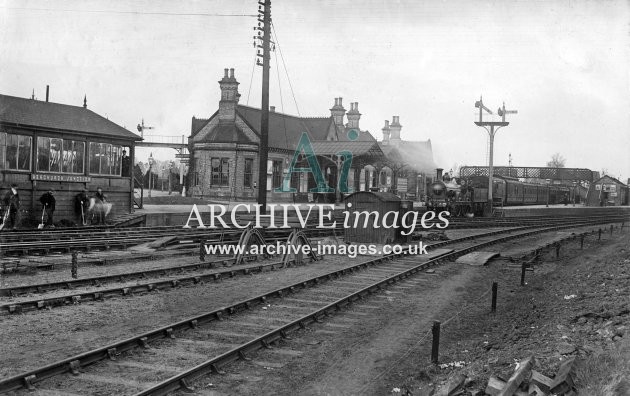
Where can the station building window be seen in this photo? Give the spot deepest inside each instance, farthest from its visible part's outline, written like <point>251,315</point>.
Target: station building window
<point>276,174</point>
<point>15,152</point>
<point>105,159</point>
<point>220,168</point>
<point>248,175</point>
<point>60,155</point>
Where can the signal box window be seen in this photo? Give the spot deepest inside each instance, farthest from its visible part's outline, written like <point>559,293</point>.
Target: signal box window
<point>15,152</point>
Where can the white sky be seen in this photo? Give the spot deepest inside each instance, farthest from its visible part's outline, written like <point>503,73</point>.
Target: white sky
<point>564,65</point>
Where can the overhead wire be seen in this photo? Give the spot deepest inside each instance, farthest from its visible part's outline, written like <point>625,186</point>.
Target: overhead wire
<point>204,14</point>
<point>275,36</point>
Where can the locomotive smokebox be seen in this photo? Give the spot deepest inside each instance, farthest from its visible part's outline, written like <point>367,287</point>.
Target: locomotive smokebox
<point>439,173</point>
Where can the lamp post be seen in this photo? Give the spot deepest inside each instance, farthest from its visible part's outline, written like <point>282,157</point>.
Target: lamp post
<point>170,186</point>
<point>151,162</point>
<point>162,177</point>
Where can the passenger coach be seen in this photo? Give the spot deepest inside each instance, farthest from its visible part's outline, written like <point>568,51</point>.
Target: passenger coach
<point>45,145</point>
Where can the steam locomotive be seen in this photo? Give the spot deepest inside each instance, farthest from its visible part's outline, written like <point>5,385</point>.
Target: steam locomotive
<point>471,195</point>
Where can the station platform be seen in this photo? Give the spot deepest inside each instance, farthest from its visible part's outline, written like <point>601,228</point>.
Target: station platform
<point>558,210</point>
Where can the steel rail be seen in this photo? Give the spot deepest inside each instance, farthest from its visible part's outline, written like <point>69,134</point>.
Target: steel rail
<point>73,363</point>
<point>214,365</point>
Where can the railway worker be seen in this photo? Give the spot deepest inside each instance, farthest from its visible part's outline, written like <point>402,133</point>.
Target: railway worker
<point>48,202</point>
<point>81,205</point>
<point>11,203</point>
<point>126,164</point>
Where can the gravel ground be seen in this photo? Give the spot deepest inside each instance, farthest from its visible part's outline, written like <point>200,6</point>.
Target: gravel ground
<point>33,339</point>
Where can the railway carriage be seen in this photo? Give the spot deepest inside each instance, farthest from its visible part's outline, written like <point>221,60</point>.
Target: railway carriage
<point>471,196</point>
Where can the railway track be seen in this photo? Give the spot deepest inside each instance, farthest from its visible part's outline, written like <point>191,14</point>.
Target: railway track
<point>153,363</point>
<point>48,241</point>
<point>148,280</point>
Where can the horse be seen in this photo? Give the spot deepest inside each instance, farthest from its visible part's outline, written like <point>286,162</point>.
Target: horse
<point>99,208</point>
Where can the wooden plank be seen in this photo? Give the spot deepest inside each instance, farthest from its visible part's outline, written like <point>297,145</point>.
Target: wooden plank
<point>541,381</point>
<point>563,381</point>
<point>522,370</point>
<point>494,386</point>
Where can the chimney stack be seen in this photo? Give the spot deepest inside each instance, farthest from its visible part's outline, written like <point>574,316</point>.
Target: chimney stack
<point>395,130</point>
<point>439,174</point>
<point>386,133</point>
<point>354,116</point>
<point>272,109</point>
<point>337,112</point>
<point>229,97</point>
<point>47,90</point>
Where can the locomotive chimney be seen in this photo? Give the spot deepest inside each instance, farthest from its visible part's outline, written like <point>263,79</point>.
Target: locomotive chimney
<point>439,173</point>
<point>47,90</point>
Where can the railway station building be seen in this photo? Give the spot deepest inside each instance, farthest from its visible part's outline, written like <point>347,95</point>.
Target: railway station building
<point>224,151</point>
<point>66,148</point>
<point>607,191</point>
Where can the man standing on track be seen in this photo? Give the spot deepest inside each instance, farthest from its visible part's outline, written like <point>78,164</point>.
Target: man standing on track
<point>82,204</point>
<point>11,206</point>
<point>48,201</point>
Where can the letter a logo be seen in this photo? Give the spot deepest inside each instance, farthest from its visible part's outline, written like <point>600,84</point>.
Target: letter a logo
<point>305,146</point>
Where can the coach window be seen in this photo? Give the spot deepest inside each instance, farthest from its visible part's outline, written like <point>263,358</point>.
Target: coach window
<point>60,155</point>
<point>15,152</point>
<point>105,159</point>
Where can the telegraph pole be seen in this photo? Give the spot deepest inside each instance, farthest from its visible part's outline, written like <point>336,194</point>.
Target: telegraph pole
<point>264,27</point>
<point>492,127</point>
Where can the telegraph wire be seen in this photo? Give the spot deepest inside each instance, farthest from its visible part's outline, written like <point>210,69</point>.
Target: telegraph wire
<point>204,14</point>
<point>286,71</point>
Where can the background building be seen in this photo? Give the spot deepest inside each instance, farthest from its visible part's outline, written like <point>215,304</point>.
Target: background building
<point>45,145</point>
<point>224,150</point>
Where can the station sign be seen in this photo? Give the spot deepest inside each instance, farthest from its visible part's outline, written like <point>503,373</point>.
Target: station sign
<point>60,178</point>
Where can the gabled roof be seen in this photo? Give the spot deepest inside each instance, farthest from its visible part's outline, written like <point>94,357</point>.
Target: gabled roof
<point>229,133</point>
<point>285,130</point>
<point>356,148</point>
<point>35,113</point>
<point>609,177</point>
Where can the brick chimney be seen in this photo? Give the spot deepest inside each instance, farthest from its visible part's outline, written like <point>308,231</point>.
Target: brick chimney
<point>229,97</point>
<point>337,112</point>
<point>354,116</point>
<point>395,127</point>
<point>386,132</point>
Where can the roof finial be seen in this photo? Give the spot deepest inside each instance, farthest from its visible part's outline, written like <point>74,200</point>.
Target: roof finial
<point>85,102</point>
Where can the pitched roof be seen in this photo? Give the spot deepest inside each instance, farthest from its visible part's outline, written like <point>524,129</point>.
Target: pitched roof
<point>356,148</point>
<point>609,177</point>
<point>229,133</point>
<point>285,130</point>
<point>35,113</point>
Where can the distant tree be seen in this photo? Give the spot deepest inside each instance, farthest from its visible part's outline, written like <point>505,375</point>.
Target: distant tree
<point>557,161</point>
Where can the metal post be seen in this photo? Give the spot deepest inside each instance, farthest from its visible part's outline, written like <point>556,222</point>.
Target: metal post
<point>491,167</point>
<point>523,268</point>
<point>495,287</point>
<point>436,342</point>
<point>599,238</point>
<point>557,250</point>
<point>75,265</point>
<point>582,241</point>
<point>264,118</point>
<point>202,251</point>
<point>611,229</point>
